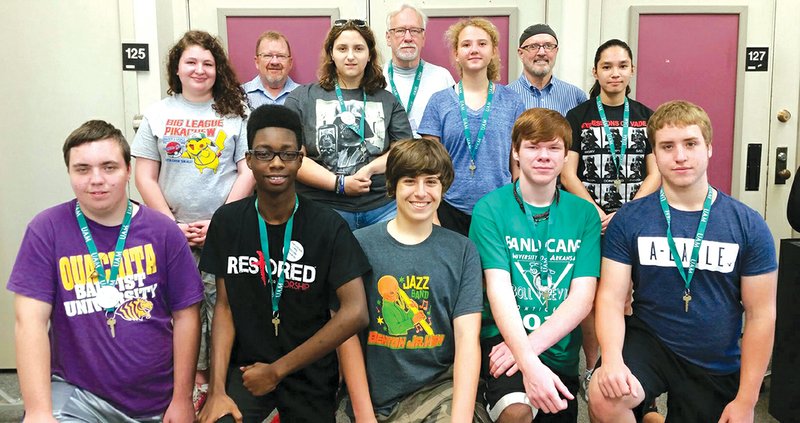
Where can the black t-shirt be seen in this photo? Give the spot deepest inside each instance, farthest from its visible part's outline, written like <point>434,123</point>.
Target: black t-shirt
<point>323,256</point>
<point>596,168</point>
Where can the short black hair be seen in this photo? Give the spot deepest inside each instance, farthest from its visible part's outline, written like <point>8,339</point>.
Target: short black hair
<point>274,116</point>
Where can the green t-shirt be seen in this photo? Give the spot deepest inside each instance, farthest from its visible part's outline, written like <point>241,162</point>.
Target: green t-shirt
<point>508,240</point>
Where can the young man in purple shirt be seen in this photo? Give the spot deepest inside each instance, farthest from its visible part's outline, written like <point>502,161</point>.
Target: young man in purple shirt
<point>118,287</point>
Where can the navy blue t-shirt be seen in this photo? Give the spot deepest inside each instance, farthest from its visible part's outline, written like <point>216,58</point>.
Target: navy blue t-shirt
<point>737,243</point>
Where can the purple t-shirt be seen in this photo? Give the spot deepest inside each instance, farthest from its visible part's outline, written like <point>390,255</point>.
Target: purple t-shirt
<point>157,275</point>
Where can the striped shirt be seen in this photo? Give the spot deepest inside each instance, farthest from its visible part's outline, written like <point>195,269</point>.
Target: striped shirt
<point>556,95</point>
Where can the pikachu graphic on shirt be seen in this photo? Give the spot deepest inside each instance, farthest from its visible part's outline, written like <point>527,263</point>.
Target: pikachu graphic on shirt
<point>199,149</point>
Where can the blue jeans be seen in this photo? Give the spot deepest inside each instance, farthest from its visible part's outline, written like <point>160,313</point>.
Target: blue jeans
<point>362,219</point>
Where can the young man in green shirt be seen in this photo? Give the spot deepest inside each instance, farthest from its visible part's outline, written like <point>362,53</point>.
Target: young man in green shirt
<point>540,253</point>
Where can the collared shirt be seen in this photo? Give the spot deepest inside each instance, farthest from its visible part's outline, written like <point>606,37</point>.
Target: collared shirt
<point>257,95</point>
<point>556,95</point>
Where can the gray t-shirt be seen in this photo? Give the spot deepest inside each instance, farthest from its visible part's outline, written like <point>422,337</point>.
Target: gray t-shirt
<point>198,151</point>
<point>441,278</point>
<point>331,142</point>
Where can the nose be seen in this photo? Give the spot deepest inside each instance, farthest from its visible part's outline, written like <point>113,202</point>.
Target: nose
<point>407,35</point>
<point>680,153</point>
<point>96,176</point>
<point>419,190</point>
<point>276,162</point>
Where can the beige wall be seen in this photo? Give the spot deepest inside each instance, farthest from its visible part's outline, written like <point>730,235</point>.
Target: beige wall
<point>62,65</point>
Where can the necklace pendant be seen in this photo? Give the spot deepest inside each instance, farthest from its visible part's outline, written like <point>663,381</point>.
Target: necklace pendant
<point>111,322</point>
<point>617,183</point>
<point>546,295</point>
<point>686,298</point>
<point>472,167</point>
<point>276,321</point>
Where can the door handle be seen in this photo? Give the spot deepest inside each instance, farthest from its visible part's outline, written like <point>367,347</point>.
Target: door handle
<point>782,173</point>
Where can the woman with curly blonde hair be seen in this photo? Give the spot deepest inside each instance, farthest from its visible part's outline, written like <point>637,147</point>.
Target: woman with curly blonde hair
<point>473,120</point>
<point>190,150</point>
<point>349,121</point>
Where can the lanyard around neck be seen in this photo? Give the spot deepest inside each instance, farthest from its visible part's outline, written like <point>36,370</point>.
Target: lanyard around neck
<point>545,280</point>
<point>110,299</point>
<point>276,288</point>
<point>473,148</point>
<point>626,114</point>
<point>687,274</point>
<point>414,87</point>
<point>360,129</point>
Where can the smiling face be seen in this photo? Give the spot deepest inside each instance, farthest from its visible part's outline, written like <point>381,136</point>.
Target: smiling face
<point>406,47</point>
<point>350,55</point>
<point>197,71</point>
<point>682,155</point>
<point>99,178</point>
<point>541,161</point>
<point>538,63</point>
<point>418,197</point>
<point>614,70</point>
<point>273,62</point>
<point>474,50</point>
<point>274,176</point>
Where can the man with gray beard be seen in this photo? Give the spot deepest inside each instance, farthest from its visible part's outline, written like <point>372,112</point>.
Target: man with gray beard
<point>537,87</point>
<point>412,80</point>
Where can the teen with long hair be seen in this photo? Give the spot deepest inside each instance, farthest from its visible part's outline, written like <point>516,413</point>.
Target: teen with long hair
<point>349,123</point>
<point>190,152</point>
<point>473,120</point>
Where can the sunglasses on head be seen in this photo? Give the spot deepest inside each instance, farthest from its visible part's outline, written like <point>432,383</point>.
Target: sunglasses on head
<point>356,22</point>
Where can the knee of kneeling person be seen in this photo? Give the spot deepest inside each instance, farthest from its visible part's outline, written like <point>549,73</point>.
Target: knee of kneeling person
<point>516,413</point>
<point>603,409</point>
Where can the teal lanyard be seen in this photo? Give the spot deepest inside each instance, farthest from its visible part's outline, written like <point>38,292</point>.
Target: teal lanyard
<point>414,87</point>
<point>626,114</point>
<point>473,148</point>
<point>687,275</point>
<point>360,129</point>
<point>92,247</point>
<point>543,262</point>
<point>276,288</point>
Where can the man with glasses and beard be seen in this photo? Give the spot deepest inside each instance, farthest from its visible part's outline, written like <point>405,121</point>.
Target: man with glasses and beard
<point>537,87</point>
<point>411,79</point>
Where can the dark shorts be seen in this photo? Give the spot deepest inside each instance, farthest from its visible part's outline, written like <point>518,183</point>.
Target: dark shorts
<point>295,399</point>
<point>453,218</point>
<point>695,395</point>
<point>497,388</point>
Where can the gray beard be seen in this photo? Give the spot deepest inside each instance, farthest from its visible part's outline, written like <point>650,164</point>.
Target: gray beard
<point>541,72</point>
<point>407,56</point>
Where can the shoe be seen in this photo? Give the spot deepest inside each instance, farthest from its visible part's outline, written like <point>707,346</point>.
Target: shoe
<point>199,396</point>
<point>584,388</point>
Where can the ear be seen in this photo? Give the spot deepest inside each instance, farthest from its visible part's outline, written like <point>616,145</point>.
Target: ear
<point>248,159</point>
<point>709,150</point>
<point>594,72</point>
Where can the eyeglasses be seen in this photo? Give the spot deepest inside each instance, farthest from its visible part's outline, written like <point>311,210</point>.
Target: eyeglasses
<point>268,155</point>
<point>401,32</point>
<point>535,47</point>
<point>343,22</point>
<point>278,57</point>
